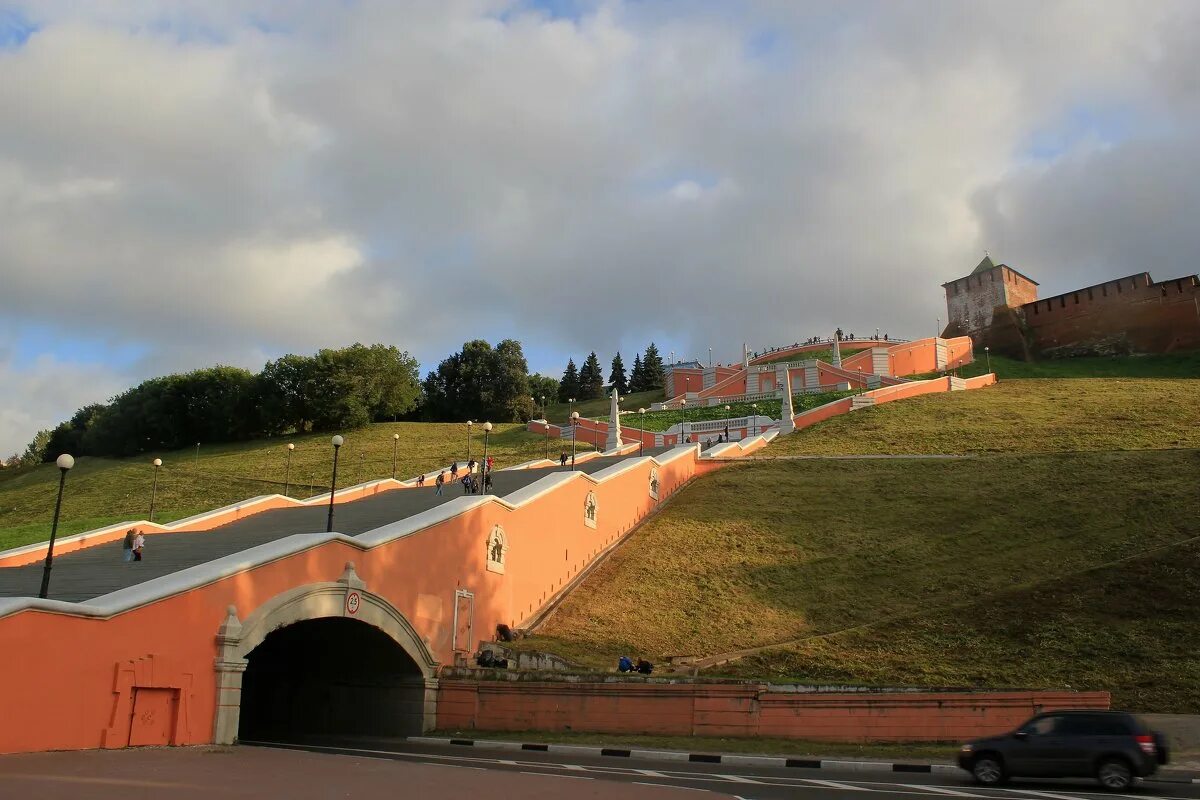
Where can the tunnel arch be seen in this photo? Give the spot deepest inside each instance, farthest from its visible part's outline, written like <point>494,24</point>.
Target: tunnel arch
<point>297,638</point>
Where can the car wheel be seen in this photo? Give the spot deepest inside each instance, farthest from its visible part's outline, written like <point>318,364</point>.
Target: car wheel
<point>1114,774</point>
<point>988,770</point>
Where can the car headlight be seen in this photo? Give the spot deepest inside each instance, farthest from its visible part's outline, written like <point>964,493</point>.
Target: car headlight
<point>966,748</point>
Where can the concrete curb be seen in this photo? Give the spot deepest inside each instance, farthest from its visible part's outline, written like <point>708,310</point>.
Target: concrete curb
<point>853,765</point>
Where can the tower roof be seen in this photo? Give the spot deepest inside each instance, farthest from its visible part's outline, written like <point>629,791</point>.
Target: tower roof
<point>987,265</point>
<point>984,266</point>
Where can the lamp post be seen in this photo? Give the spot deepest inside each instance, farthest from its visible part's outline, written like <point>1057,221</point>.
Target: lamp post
<point>754,411</point>
<point>287,475</point>
<point>710,356</point>
<point>395,445</point>
<point>988,356</point>
<point>543,406</point>
<point>337,441</point>
<point>683,419</point>
<point>64,463</point>
<point>487,429</point>
<point>154,486</point>
<point>197,459</point>
<point>642,433</point>
<point>574,422</point>
<point>546,422</point>
<point>571,404</point>
<point>469,424</point>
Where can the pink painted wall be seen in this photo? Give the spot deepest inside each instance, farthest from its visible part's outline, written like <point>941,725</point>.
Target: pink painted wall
<point>61,669</point>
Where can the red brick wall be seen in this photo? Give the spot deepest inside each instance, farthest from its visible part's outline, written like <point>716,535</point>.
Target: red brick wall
<point>693,709</point>
<point>1131,314</point>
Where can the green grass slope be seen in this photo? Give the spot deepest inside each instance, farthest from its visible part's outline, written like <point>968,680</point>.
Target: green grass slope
<point>1171,365</point>
<point>1129,628</point>
<point>1016,567</point>
<point>1016,416</point>
<point>560,413</point>
<point>104,491</point>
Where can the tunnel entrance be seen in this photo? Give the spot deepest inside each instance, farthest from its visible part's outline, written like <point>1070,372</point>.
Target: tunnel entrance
<point>328,678</point>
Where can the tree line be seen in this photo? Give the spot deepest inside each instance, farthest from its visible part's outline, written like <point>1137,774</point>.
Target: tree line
<point>331,390</point>
<point>587,382</point>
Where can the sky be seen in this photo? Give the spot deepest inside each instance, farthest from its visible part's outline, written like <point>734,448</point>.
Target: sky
<point>216,181</point>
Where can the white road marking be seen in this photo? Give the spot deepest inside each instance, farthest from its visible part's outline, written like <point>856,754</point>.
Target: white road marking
<point>668,786</point>
<point>1050,795</point>
<point>738,779</point>
<point>553,775</point>
<point>836,785</point>
<point>649,773</point>
<point>938,789</point>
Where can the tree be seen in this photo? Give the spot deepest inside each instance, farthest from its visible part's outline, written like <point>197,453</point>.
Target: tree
<point>68,436</point>
<point>591,379</point>
<point>637,381</point>
<point>480,383</point>
<point>617,376</point>
<point>653,374</point>
<point>542,386</point>
<point>35,451</point>
<point>568,387</point>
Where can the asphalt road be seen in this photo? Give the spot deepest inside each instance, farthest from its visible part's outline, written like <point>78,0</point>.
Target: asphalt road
<point>746,782</point>
<point>95,571</point>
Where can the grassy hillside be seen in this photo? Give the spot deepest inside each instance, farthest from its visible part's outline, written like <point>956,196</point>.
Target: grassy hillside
<point>103,491</point>
<point>776,551</point>
<point>559,413</point>
<point>663,420</point>
<point>825,355</point>
<point>1174,365</point>
<point>1016,416</point>
<point>1129,628</point>
<point>1058,553</point>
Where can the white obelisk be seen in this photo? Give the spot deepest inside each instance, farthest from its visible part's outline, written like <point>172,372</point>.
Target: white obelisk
<point>786,423</point>
<point>614,423</point>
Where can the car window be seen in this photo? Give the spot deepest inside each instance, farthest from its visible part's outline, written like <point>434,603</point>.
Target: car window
<point>1105,725</point>
<point>1042,726</point>
<point>1093,725</point>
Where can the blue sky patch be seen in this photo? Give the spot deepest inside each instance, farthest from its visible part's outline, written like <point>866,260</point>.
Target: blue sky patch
<point>15,28</point>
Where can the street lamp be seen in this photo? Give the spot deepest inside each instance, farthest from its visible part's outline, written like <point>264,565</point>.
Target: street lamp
<point>154,487</point>
<point>543,406</point>
<point>682,419</point>
<point>988,356</point>
<point>487,429</point>
<point>754,410</point>
<point>287,476</point>
<point>64,463</point>
<point>469,424</point>
<point>571,404</point>
<point>642,432</point>
<point>574,422</point>
<point>337,441</point>
<point>710,356</point>
<point>546,423</point>
<point>395,444</point>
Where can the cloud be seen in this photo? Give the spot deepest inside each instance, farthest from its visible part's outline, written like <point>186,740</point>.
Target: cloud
<point>214,182</point>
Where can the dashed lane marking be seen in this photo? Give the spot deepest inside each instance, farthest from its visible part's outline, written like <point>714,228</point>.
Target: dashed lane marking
<point>848,787</point>
<point>939,790</point>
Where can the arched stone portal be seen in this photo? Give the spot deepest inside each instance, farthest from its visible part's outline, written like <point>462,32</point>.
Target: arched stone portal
<point>323,660</point>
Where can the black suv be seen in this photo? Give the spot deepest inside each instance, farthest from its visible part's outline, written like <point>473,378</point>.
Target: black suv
<point>1110,746</point>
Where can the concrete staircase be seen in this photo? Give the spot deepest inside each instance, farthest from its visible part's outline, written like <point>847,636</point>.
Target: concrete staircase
<point>957,384</point>
<point>861,401</point>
